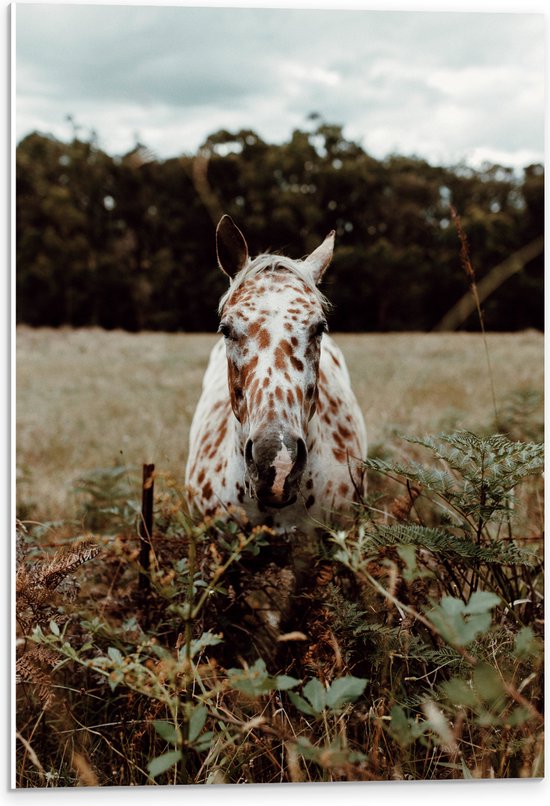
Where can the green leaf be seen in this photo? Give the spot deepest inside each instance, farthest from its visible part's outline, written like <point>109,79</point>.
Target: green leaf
<point>488,684</point>
<point>204,741</point>
<point>252,681</point>
<point>316,694</point>
<point>306,749</point>
<point>518,716</point>
<point>283,682</point>
<point>344,690</point>
<point>460,624</point>
<point>166,730</point>
<point>196,721</point>
<point>115,678</point>
<point>161,652</point>
<point>458,692</point>
<point>54,627</point>
<point>407,552</point>
<point>301,704</point>
<point>162,763</point>
<point>482,602</point>
<point>526,643</point>
<point>115,654</point>
<point>37,634</point>
<point>399,726</point>
<point>404,729</point>
<point>198,644</point>
<point>465,770</point>
<point>486,718</point>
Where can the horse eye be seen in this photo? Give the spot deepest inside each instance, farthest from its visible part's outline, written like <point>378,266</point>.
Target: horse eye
<point>320,328</point>
<point>225,330</point>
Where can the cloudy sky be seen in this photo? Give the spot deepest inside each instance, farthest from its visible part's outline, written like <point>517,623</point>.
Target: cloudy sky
<point>444,86</point>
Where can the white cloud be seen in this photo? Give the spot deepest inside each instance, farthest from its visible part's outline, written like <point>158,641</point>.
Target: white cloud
<point>306,74</point>
<point>443,86</point>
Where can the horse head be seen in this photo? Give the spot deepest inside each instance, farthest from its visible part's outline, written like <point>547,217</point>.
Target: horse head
<point>272,318</point>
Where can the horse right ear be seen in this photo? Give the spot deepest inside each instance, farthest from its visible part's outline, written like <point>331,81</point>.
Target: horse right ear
<point>231,247</point>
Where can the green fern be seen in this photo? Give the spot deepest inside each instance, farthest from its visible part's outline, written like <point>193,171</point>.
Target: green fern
<point>444,542</point>
<point>109,498</point>
<point>486,469</point>
<point>478,476</point>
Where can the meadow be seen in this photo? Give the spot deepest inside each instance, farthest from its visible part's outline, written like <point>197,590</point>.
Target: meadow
<point>411,647</point>
<point>91,398</point>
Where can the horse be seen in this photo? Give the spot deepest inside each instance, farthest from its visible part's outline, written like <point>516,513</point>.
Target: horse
<point>277,433</point>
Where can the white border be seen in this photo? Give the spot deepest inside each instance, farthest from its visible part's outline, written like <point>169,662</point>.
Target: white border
<point>505,792</point>
<point>445,6</point>
<point>8,483</point>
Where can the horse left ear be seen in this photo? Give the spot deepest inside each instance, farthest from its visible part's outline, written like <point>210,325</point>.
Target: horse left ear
<point>319,260</point>
<point>231,246</point>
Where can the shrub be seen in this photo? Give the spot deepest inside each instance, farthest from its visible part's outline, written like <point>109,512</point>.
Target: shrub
<point>412,650</point>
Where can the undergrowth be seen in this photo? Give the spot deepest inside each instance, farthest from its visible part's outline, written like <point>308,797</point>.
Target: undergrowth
<point>408,647</point>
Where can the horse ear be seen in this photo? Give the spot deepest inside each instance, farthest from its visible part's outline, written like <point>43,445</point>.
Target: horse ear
<point>231,247</point>
<point>319,259</point>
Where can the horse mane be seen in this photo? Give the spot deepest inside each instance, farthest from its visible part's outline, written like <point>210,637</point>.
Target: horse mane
<point>270,262</point>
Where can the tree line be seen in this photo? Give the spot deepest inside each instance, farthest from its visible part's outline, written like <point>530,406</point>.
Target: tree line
<point>128,242</point>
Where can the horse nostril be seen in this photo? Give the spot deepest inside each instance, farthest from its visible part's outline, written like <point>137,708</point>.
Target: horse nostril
<point>301,455</point>
<point>249,459</point>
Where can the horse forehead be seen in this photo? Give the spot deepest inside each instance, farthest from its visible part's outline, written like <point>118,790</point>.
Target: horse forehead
<point>272,292</point>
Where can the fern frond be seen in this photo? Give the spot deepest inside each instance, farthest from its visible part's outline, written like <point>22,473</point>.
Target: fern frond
<point>502,461</point>
<point>65,562</point>
<point>445,543</point>
<point>438,656</point>
<point>42,585</point>
<point>29,668</point>
<point>430,478</point>
<point>478,474</point>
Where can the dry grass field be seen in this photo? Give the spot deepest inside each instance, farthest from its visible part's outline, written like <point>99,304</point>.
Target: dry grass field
<point>89,398</point>
<point>408,646</point>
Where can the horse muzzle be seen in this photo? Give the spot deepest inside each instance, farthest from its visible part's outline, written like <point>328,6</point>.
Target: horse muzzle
<point>275,463</point>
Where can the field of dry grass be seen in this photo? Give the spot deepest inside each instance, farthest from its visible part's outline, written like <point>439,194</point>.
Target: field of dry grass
<point>412,649</point>
<point>88,398</point>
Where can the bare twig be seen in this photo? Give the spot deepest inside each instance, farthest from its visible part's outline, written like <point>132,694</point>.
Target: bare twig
<point>146,526</point>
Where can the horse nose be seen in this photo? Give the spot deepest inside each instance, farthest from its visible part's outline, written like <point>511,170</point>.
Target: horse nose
<point>275,464</point>
<point>263,452</point>
<point>249,457</point>
<point>301,456</point>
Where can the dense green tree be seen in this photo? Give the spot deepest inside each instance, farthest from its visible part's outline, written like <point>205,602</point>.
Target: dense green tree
<point>129,242</point>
